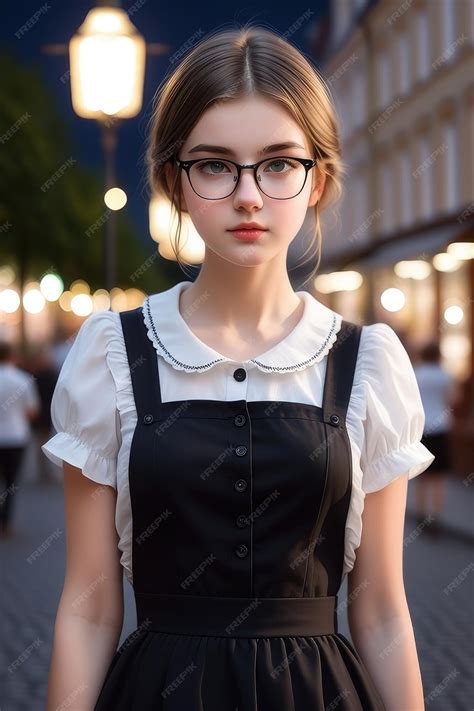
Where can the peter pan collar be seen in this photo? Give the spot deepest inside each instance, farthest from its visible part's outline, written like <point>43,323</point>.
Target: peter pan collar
<point>308,343</point>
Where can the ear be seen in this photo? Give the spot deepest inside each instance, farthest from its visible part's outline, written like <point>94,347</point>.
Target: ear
<point>318,187</point>
<point>169,182</point>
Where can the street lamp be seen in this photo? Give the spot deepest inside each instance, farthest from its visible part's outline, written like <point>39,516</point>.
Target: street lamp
<point>107,67</point>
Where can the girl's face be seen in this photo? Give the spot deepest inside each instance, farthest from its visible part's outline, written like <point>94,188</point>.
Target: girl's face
<point>245,126</point>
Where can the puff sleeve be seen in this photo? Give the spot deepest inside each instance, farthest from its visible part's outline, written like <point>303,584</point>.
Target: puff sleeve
<point>393,415</point>
<point>84,405</point>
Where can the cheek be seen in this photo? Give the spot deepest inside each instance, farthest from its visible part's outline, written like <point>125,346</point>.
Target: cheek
<point>202,212</point>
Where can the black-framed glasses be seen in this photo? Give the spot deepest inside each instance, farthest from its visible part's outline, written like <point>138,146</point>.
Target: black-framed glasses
<point>280,178</point>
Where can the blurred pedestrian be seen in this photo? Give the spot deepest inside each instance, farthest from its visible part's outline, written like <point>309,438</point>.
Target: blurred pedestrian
<point>437,389</point>
<point>45,372</point>
<point>19,403</point>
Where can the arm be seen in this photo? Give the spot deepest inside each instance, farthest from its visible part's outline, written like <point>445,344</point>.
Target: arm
<point>378,616</point>
<point>90,612</point>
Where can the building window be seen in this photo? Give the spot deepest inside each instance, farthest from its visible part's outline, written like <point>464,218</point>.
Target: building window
<point>386,186</point>
<point>359,99</point>
<point>403,62</point>
<point>405,178</point>
<point>383,78</point>
<point>423,44</point>
<point>359,202</point>
<point>447,20</point>
<point>451,165</point>
<point>424,173</point>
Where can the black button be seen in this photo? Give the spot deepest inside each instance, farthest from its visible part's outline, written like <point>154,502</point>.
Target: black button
<point>240,420</point>
<point>334,419</point>
<point>148,419</point>
<point>240,374</point>
<point>242,521</point>
<point>241,550</point>
<point>240,485</point>
<point>241,450</point>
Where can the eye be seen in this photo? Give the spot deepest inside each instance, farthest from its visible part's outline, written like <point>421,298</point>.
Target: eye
<point>280,162</point>
<point>214,163</point>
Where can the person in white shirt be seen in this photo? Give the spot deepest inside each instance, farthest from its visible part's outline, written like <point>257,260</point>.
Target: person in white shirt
<point>438,390</point>
<point>20,403</point>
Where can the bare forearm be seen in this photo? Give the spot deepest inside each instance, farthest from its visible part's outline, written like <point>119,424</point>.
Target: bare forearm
<point>388,650</point>
<point>82,652</point>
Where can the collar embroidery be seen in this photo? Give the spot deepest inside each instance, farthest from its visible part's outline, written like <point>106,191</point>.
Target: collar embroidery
<point>308,343</point>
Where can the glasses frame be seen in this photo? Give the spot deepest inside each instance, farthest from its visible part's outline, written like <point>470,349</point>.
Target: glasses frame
<point>308,163</point>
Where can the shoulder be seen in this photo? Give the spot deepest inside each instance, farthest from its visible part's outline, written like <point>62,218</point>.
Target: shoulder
<point>380,351</point>
<point>97,354</point>
<point>98,335</point>
<point>102,325</point>
<point>379,334</point>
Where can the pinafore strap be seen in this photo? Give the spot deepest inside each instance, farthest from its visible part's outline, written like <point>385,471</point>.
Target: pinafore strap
<point>143,365</point>
<point>340,370</point>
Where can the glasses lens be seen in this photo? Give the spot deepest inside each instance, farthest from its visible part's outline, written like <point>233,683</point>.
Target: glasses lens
<point>213,179</point>
<point>281,177</point>
<point>277,177</point>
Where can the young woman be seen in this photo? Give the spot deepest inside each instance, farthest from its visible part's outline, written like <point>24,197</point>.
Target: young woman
<point>239,430</point>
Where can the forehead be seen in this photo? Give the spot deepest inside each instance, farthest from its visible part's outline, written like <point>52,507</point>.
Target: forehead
<point>245,126</point>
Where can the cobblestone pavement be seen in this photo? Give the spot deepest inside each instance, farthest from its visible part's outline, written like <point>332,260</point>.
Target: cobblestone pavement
<point>438,575</point>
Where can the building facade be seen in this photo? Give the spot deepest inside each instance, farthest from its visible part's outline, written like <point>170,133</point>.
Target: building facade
<point>401,75</point>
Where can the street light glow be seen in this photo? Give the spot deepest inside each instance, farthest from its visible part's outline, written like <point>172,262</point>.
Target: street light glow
<point>51,286</point>
<point>9,301</point>
<point>107,60</point>
<point>115,198</point>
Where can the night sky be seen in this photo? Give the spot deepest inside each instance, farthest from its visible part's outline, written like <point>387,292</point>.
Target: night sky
<point>171,24</point>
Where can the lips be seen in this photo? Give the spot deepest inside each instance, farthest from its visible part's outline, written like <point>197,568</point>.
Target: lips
<point>251,226</point>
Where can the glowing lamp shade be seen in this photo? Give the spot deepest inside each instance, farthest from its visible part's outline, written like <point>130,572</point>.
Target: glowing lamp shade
<point>107,60</point>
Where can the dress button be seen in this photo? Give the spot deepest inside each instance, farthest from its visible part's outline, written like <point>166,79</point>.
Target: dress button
<point>240,485</point>
<point>242,521</point>
<point>241,450</point>
<point>240,374</point>
<point>240,420</point>
<point>148,419</point>
<point>241,550</point>
<point>334,419</point>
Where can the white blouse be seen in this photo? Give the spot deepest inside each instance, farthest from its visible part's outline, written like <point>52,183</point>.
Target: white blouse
<point>93,408</point>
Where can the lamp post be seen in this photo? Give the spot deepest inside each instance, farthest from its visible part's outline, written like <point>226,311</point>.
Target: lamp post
<point>107,67</point>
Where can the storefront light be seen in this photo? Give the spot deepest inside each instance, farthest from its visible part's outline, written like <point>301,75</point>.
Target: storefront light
<point>461,250</point>
<point>338,281</point>
<point>453,315</point>
<point>446,262</point>
<point>51,286</point>
<point>9,301</point>
<point>412,269</point>
<point>33,300</point>
<point>81,304</point>
<point>393,299</point>
<point>101,299</point>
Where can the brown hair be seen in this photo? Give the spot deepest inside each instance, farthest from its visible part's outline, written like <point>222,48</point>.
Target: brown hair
<point>231,64</point>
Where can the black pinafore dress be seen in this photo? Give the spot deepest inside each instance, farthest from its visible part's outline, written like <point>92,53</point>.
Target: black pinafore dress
<point>239,511</point>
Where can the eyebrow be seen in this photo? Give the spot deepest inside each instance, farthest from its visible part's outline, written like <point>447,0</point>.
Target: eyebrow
<point>205,147</point>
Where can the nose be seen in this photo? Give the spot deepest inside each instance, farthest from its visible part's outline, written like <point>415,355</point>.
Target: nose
<point>247,193</point>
